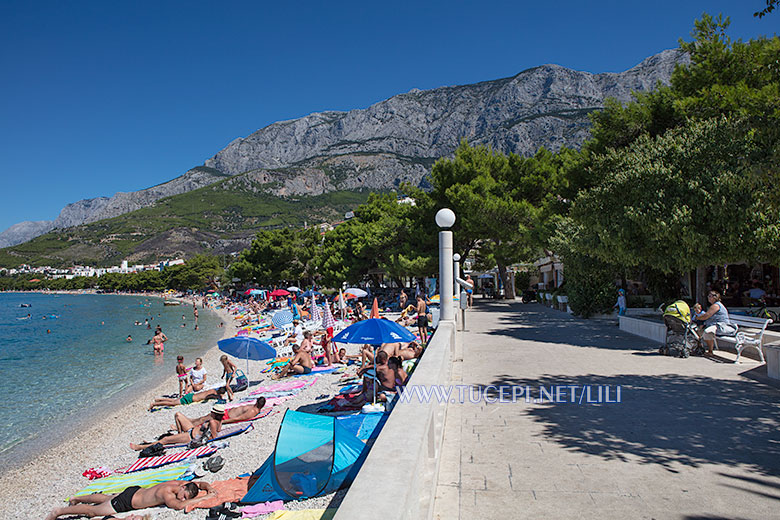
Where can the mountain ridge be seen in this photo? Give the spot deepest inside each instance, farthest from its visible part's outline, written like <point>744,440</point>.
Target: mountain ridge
<point>392,141</point>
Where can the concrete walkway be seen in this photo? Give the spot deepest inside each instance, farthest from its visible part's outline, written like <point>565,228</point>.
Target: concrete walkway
<point>691,438</point>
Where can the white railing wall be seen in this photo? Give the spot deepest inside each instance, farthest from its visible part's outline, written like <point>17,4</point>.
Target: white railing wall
<point>399,477</point>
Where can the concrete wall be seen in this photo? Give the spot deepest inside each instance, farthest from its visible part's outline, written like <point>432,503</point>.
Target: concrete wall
<point>653,330</point>
<point>398,479</point>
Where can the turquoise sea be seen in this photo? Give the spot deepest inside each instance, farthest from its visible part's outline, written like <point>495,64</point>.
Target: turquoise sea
<point>70,361</point>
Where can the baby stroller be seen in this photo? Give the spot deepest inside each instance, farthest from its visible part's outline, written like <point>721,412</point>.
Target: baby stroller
<point>682,340</point>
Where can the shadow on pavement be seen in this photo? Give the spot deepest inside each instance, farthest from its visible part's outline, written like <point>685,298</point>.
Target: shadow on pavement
<point>559,327</point>
<point>663,419</point>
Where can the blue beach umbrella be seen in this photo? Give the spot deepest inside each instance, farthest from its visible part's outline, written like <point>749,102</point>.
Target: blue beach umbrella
<point>282,318</point>
<point>374,331</point>
<point>244,347</point>
<point>309,293</point>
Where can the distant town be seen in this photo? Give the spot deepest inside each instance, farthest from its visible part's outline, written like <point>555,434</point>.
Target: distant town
<point>82,270</point>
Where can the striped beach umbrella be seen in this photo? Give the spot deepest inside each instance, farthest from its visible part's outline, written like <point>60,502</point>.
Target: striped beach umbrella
<point>315,310</point>
<point>282,318</point>
<point>327,318</point>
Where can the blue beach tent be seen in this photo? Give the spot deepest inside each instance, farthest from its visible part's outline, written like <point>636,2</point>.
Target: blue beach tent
<point>315,455</point>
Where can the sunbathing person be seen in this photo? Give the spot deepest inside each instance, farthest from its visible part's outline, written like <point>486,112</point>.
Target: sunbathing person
<point>176,494</point>
<point>412,351</point>
<point>300,364</point>
<point>188,398</point>
<point>234,415</point>
<point>202,433</point>
<point>399,374</point>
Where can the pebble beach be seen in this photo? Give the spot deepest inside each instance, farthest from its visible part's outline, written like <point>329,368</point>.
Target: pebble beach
<point>36,487</point>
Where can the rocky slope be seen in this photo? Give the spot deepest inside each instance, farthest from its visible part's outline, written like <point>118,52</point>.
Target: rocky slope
<point>99,208</point>
<point>543,106</point>
<point>393,141</point>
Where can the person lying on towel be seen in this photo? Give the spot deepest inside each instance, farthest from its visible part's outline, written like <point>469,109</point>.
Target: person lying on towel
<point>200,434</point>
<point>188,398</point>
<point>234,415</point>
<point>176,494</point>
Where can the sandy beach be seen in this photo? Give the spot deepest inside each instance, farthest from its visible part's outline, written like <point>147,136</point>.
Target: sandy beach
<point>35,488</point>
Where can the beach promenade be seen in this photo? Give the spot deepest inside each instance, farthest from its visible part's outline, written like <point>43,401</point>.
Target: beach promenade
<point>690,438</point>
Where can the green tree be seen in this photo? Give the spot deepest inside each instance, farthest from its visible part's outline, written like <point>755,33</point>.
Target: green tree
<point>681,200</point>
<point>194,275</point>
<point>498,201</point>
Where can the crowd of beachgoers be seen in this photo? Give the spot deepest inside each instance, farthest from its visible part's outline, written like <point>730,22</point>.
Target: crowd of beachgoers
<point>218,416</point>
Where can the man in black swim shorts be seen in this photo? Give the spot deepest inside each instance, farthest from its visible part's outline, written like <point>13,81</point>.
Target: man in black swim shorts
<point>176,494</point>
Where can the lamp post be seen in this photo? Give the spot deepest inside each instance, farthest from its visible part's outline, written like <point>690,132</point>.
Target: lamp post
<point>445,218</point>
<point>456,263</point>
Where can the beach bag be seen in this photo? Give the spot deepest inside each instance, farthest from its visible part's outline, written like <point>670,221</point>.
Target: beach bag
<point>155,450</point>
<point>242,383</point>
<point>726,329</point>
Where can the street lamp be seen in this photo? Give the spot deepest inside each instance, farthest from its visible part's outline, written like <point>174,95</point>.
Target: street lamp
<point>445,218</point>
<point>456,260</point>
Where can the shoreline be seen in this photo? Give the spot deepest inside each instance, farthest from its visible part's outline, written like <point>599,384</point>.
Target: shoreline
<point>32,479</point>
<point>26,450</point>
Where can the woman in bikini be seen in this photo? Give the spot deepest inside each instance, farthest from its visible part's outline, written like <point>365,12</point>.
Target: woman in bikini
<point>206,431</point>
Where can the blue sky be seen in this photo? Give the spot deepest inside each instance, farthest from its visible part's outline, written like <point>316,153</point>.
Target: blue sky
<point>100,97</point>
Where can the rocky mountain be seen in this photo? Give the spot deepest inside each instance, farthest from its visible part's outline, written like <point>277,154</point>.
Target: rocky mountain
<point>543,106</point>
<point>393,141</point>
<point>99,208</point>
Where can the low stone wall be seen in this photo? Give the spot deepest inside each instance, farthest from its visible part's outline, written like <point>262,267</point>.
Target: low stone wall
<point>398,479</point>
<point>650,329</point>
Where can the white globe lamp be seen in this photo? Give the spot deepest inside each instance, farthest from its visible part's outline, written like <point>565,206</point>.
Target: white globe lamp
<point>445,218</point>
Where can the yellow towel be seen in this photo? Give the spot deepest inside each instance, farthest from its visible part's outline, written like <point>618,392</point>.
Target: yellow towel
<point>303,514</point>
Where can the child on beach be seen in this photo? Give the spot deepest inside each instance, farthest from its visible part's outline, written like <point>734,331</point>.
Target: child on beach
<point>181,373</point>
<point>229,371</point>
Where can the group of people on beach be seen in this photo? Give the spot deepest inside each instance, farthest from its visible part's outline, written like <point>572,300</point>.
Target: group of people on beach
<point>381,370</point>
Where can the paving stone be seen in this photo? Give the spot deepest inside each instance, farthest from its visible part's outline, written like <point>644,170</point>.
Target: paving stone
<point>690,438</point>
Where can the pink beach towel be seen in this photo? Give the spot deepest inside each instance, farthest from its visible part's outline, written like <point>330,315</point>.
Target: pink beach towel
<point>283,386</point>
<point>262,509</point>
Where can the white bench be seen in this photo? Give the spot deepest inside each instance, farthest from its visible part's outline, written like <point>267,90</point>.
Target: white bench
<point>750,334</point>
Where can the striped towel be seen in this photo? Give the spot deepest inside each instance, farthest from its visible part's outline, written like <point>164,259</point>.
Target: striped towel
<point>144,479</point>
<point>162,460</point>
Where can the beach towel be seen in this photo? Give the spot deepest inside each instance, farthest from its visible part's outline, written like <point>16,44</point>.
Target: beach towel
<point>261,509</point>
<point>144,479</point>
<point>162,460</point>
<point>319,370</point>
<point>227,491</point>
<point>282,386</point>
<point>270,402</point>
<point>351,389</point>
<point>223,434</point>
<point>304,514</point>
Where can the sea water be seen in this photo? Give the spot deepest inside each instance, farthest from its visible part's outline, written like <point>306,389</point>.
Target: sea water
<point>70,360</point>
